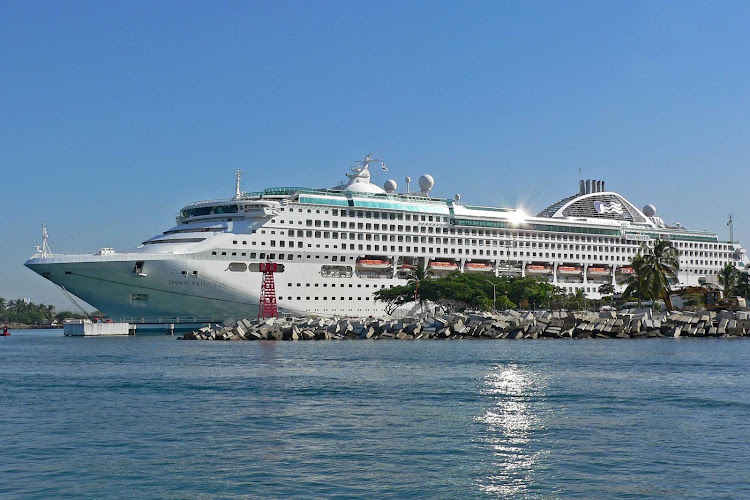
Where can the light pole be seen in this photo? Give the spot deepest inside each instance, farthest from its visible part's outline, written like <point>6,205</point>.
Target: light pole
<point>494,295</point>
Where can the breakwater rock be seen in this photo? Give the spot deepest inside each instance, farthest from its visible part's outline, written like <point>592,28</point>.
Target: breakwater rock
<point>624,324</point>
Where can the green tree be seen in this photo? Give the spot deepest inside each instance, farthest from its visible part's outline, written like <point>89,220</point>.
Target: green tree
<point>50,313</point>
<point>418,275</point>
<point>578,299</point>
<point>460,291</point>
<point>639,283</point>
<point>692,300</point>
<point>742,287</point>
<point>728,277</point>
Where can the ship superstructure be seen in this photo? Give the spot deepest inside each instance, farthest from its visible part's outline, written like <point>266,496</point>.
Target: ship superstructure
<point>336,247</point>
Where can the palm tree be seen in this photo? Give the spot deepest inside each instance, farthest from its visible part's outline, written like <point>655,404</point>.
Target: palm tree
<point>579,299</point>
<point>662,263</point>
<point>742,288</point>
<point>417,275</point>
<point>50,312</point>
<point>728,278</point>
<point>639,283</point>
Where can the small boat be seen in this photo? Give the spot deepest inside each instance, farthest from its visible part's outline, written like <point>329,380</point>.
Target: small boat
<point>373,263</point>
<point>439,265</point>
<point>538,269</point>
<point>6,333</point>
<point>478,267</point>
<point>625,270</point>
<point>569,270</point>
<point>598,271</point>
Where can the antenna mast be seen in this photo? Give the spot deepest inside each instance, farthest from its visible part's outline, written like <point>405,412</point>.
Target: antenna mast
<point>730,223</point>
<point>43,249</point>
<point>237,185</point>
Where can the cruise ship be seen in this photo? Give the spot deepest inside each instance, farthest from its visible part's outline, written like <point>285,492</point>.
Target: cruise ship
<point>335,247</point>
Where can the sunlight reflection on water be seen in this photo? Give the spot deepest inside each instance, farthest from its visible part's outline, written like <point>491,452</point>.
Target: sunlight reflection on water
<point>510,418</point>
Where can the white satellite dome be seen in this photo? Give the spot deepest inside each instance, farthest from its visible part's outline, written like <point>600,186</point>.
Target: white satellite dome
<point>390,186</point>
<point>649,210</point>
<point>364,187</point>
<point>426,182</point>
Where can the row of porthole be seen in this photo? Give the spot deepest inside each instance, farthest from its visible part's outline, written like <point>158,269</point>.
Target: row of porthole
<point>324,298</point>
<point>333,285</point>
<point>240,267</point>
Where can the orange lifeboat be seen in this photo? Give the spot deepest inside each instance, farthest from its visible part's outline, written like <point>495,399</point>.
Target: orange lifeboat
<point>598,271</point>
<point>438,265</point>
<point>538,269</point>
<point>363,263</point>
<point>569,270</point>
<point>478,267</point>
<point>625,270</point>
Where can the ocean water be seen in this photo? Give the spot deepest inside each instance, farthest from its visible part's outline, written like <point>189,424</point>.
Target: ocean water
<point>154,417</point>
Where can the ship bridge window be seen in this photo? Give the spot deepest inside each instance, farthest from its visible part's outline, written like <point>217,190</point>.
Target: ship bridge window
<point>226,209</point>
<point>172,241</point>
<point>195,212</point>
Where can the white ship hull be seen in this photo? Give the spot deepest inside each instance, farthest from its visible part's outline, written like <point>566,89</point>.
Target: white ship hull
<point>163,293</point>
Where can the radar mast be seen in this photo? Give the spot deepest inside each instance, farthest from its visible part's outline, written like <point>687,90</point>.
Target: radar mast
<point>237,193</point>
<point>43,250</point>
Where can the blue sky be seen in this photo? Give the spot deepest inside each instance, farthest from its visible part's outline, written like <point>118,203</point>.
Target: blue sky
<point>115,114</point>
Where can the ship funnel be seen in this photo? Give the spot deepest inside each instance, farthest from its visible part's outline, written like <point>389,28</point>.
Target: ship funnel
<point>590,186</point>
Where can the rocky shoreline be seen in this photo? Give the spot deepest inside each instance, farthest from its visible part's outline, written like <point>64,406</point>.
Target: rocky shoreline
<point>626,324</point>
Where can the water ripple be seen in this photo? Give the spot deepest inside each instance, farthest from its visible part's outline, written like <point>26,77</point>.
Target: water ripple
<point>153,417</point>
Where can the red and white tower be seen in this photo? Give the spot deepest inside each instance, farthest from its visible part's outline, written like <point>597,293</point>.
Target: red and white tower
<point>267,307</point>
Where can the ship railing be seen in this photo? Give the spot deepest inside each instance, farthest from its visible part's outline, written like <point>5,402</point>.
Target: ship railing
<point>163,320</point>
<point>38,255</point>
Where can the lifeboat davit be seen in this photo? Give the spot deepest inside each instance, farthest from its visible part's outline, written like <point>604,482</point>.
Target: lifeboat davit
<point>478,267</point>
<point>598,271</point>
<point>538,269</point>
<point>569,270</point>
<point>440,265</point>
<point>363,263</point>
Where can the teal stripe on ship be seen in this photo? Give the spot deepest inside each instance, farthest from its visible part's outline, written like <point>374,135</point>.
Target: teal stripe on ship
<point>381,204</point>
<point>487,209</point>
<point>680,237</point>
<point>323,200</point>
<point>535,227</point>
<point>404,207</point>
